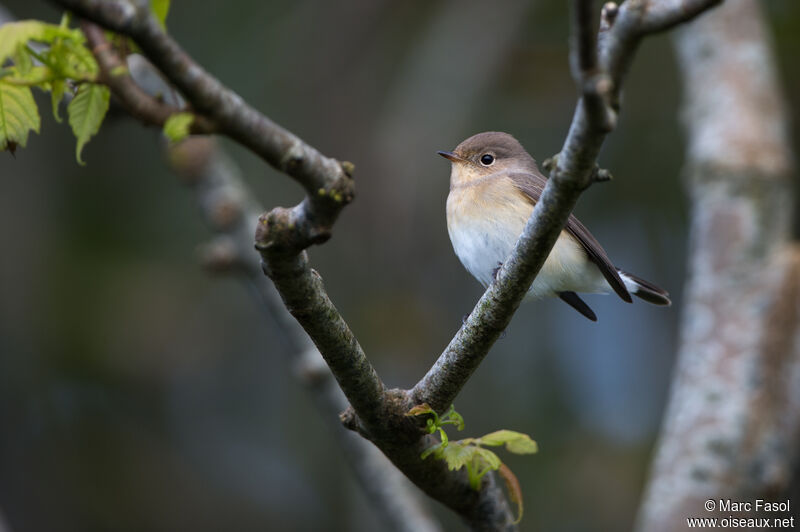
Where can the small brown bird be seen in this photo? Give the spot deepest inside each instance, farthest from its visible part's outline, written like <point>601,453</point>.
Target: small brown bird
<point>494,185</point>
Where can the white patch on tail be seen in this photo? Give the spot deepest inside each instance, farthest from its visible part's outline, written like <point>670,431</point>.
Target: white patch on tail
<point>629,283</point>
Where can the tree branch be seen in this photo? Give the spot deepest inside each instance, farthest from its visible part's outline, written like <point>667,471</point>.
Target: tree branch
<point>378,414</point>
<point>229,209</point>
<point>572,175</point>
<point>141,105</point>
<point>283,234</point>
<point>304,295</point>
<point>584,39</point>
<point>328,183</point>
<point>594,84</point>
<point>731,428</point>
<point>662,15</point>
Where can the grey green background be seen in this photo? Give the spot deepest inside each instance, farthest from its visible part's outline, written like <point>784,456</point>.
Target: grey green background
<point>138,393</point>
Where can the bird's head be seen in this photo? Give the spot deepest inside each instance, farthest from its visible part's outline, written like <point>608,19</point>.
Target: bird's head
<point>488,153</point>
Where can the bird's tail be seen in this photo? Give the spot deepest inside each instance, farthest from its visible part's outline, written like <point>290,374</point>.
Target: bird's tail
<point>644,289</point>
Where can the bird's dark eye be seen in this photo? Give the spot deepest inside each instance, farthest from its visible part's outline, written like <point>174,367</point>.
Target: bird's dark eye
<point>487,159</point>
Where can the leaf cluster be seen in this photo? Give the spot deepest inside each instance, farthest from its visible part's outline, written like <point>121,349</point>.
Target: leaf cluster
<point>471,453</point>
<point>54,59</point>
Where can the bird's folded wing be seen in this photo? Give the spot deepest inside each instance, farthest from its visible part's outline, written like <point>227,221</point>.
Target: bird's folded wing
<point>531,185</point>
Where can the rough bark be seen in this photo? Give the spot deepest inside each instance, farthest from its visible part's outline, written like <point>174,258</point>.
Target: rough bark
<point>327,182</point>
<point>229,208</point>
<point>732,426</point>
<point>283,234</point>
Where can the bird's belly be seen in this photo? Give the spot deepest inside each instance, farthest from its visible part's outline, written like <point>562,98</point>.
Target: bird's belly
<point>482,245</point>
<point>567,269</point>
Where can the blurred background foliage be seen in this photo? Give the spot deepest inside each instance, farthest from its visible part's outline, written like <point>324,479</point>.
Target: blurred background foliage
<point>138,393</point>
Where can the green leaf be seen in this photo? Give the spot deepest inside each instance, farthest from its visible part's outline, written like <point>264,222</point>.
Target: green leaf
<point>457,455</point>
<point>18,115</point>
<point>57,89</point>
<point>483,461</point>
<point>22,58</point>
<point>72,59</point>
<point>488,458</point>
<point>65,20</point>
<point>86,112</point>
<point>37,75</point>
<point>433,449</point>
<point>160,9</point>
<point>443,436</point>
<point>515,442</point>
<point>176,127</point>
<point>454,418</point>
<point>14,34</point>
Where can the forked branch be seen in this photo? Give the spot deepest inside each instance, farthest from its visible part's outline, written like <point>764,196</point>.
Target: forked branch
<point>327,182</point>
<point>283,234</point>
<point>599,80</point>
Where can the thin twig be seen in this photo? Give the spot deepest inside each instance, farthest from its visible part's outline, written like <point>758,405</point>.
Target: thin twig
<point>327,182</point>
<point>137,102</point>
<point>283,234</point>
<point>584,40</point>
<point>228,206</point>
<point>229,209</point>
<point>662,15</point>
<point>594,83</point>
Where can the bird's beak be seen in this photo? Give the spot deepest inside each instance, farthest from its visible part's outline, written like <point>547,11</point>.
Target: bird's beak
<point>450,155</point>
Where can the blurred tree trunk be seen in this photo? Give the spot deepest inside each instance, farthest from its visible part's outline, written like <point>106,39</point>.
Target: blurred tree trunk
<point>731,425</point>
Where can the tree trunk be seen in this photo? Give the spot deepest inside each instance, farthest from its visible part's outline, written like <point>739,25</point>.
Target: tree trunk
<point>731,425</point>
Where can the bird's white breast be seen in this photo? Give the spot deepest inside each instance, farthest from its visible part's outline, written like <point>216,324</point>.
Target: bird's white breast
<point>484,223</point>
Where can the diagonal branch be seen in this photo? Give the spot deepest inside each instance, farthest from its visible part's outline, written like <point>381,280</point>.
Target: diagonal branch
<point>328,182</point>
<point>662,15</point>
<point>595,83</point>
<point>304,295</point>
<point>141,105</point>
<point>584,39</point>
<point>571,176</point>
<point>283,234</point>
<point>229,208</point>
